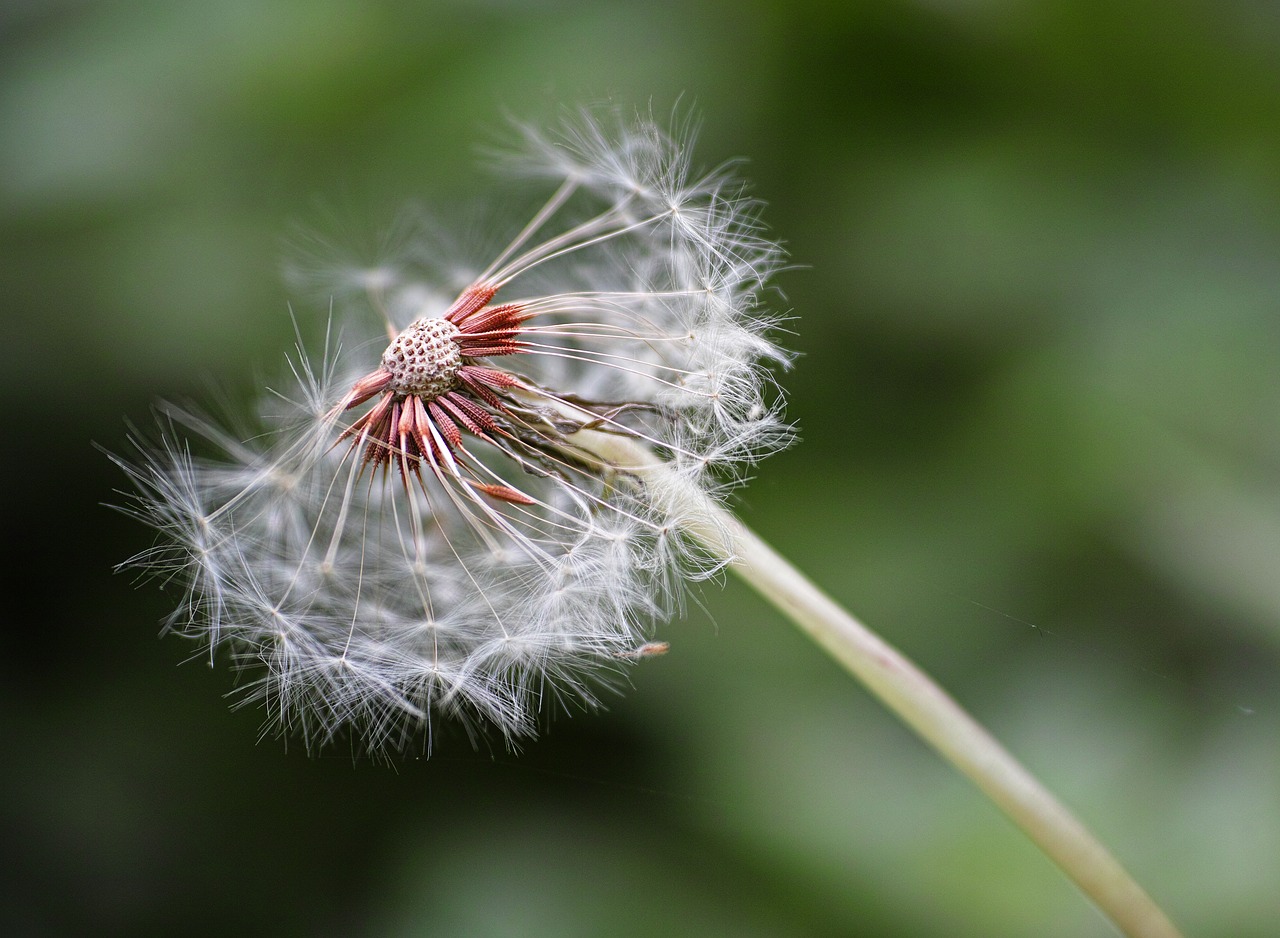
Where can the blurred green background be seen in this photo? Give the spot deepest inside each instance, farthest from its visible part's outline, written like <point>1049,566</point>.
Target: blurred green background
<point>1039,312</point>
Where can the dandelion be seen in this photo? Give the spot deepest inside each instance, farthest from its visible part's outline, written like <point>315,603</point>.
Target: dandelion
<point>485,511</point>
<point>441,530</point>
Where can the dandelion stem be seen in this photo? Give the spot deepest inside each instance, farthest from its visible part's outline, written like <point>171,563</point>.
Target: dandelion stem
<point>940,721</point>
<point>907,691</point>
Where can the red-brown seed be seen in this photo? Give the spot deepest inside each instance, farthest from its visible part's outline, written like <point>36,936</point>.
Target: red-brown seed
<point>506,493</point>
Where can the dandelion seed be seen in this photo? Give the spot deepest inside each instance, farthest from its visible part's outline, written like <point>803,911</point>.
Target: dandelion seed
<point>647,650</point>
<point>442,530</point>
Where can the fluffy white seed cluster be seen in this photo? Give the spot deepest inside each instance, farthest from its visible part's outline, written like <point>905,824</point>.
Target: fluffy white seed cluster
<point>361,602</point>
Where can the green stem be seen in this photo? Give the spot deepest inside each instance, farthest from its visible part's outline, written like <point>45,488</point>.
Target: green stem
<point>940,721</point>
<point>903,688</point>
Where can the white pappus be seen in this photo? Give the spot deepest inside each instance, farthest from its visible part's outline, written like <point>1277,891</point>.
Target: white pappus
<point>423,523</point>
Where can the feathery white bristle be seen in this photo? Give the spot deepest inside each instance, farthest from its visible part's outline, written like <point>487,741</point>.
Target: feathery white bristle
<point>359,601</point>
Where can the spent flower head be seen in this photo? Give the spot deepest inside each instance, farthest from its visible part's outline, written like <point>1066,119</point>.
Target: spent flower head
<point>433,522</point>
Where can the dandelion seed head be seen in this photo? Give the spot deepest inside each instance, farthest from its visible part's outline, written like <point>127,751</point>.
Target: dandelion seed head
<point>431,526</point>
